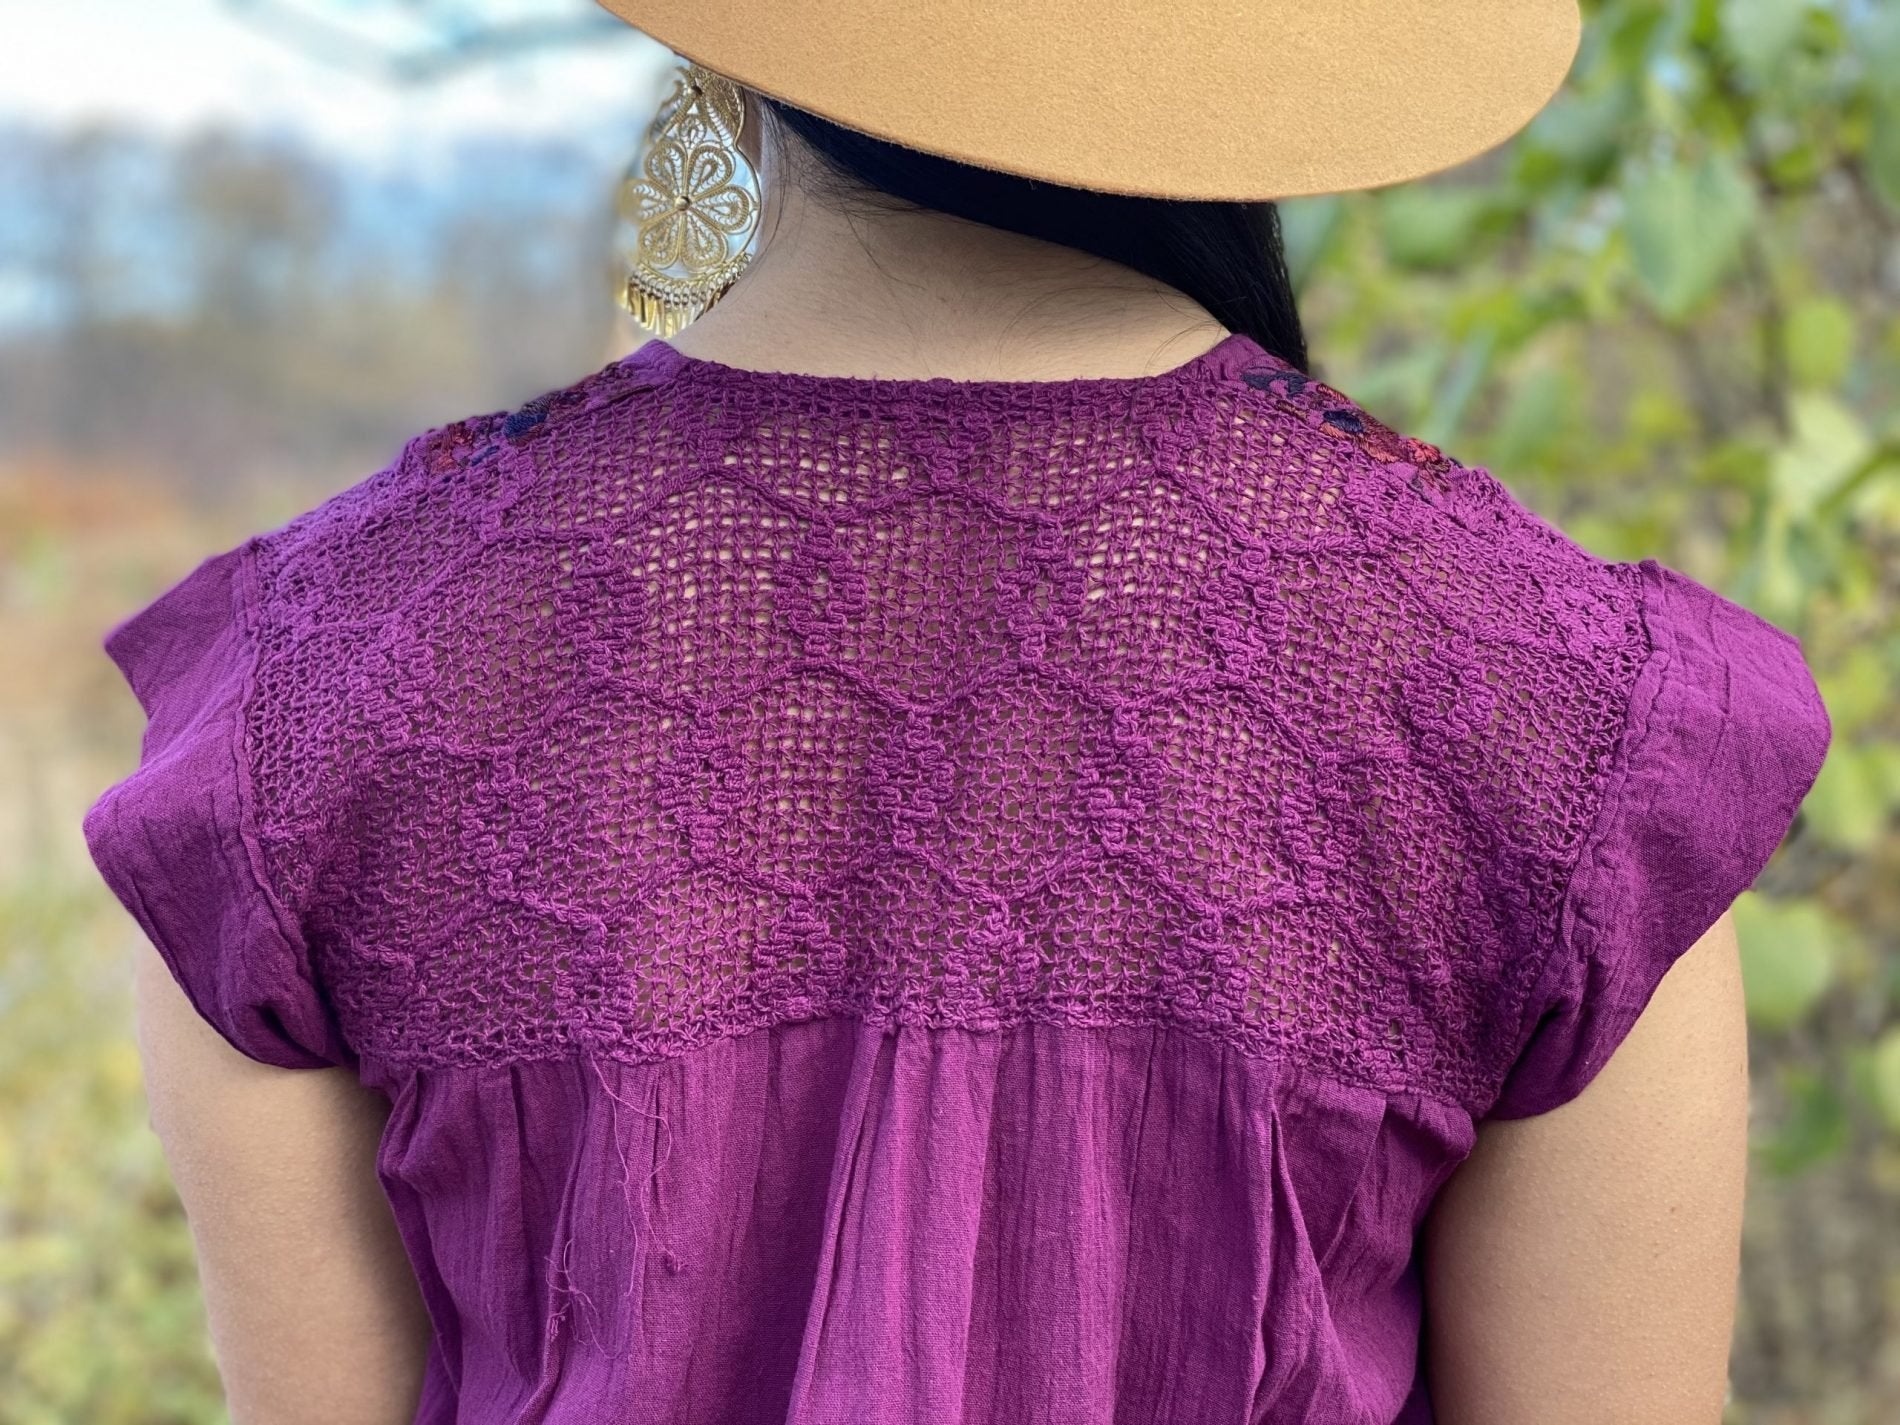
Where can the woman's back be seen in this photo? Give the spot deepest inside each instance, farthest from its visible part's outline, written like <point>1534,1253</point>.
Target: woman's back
<point>899,900</point>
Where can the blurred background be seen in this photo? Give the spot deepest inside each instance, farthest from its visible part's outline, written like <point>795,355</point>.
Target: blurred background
<point>247,247</point>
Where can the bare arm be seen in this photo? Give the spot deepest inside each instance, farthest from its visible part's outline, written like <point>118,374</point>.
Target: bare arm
<point>314,1311</point>
<point>1581,1265</point>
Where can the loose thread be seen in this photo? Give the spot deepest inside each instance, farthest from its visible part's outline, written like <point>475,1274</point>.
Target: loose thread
<point>628,1193</point>
<point>564,1284</point>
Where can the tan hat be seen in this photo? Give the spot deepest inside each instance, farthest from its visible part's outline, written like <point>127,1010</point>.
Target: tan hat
<point>1244,100</point>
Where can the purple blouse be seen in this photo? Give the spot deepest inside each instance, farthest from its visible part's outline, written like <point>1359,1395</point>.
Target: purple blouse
<point>883,901</point>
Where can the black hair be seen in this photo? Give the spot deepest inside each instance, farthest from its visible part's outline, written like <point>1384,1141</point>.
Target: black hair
<point>1226,256</point>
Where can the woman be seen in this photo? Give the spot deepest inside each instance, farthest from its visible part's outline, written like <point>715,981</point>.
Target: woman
<point>960,840</point>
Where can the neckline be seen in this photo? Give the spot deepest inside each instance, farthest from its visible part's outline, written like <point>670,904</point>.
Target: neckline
<point>1224,358</point>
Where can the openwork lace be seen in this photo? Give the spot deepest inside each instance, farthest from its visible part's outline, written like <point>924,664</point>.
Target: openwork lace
<point>688,700</point>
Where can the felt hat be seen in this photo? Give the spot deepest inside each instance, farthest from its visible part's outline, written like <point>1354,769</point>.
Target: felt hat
<point>1244,100</point>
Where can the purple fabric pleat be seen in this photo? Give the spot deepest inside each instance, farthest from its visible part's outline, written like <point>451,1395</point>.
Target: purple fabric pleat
<point>826,1221</point>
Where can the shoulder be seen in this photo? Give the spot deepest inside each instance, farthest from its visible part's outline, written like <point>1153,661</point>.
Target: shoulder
<point>1624,746</point>
<point>381,524</point>
<point>1642,653</point>
<point>1479,560</point>
<point>443,493</point>
<point>1495,581</point>
<point>1592,757</point>
<point>1478,645</point>
<point>448,557</point>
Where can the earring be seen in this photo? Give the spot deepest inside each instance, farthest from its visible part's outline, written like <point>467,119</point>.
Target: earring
<point>685,206</point>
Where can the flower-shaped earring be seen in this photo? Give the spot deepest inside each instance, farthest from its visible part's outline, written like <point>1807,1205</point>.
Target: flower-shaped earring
<point>686,206</point>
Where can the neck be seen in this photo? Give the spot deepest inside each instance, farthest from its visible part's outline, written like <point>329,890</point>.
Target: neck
<point>913,295</point>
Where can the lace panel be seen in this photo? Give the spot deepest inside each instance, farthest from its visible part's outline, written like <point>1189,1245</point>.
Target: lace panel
<point>686,700</point>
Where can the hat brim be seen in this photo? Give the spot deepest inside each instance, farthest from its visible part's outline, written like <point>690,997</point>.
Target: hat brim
<point>1239,100</point>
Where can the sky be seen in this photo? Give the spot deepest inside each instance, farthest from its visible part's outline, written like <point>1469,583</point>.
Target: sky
<point>174,65</point>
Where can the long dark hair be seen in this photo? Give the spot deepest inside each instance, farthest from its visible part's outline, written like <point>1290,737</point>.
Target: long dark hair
<point>1225,256</point>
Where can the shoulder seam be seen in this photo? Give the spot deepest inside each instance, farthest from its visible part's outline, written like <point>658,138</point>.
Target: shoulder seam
<point>248,593</point>
<point>1632,736</point>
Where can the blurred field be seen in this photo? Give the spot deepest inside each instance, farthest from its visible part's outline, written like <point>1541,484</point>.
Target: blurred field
<point>99,1310</point>
<point>1668,317</point>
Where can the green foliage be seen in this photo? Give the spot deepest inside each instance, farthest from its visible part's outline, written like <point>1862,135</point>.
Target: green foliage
<point>1427,227</point>
<point>1814,1130</point>
<point>1685,224</point>
<point>100,1318</point>
<point>1820,341</point>
<point>1788,957</point>
<point>1884,1071</point>
<point>1761,34</point>
<point>1854,800</point>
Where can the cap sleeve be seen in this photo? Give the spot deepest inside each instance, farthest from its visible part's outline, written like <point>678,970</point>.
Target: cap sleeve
<point>175,842</point>
<point>1724,736</point>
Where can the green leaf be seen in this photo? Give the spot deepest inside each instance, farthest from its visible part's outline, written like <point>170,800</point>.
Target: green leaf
<point>1814,1131</point>
<point>1430,227</point>
<point>1827,444</point>
<point>1857,690</point>
<point>1885,1076</point>
<point>1883,761</point>
<point>1771,583</point>
<point>1877,40</point>
<point>1685,227</point>
<point>1788,957</point>
<point>1577,132</point>
<point>1535,417</point>
<point>1402,383</point>
<point>1883,148</point>
<point>1878,43</point>
<point>1850,803</point>
<point>1877,500</point>
<point>1307,226</point>
<point>1604,537</point>
<point>1629,34</point>
<point>1820,341</point>
<point>1440,423</point>
<point>1761,33</point>
<point>1657,414</point>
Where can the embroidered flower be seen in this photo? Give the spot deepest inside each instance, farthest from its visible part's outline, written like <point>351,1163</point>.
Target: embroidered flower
<point>1284,381</point>
<point>520,422</point>
<point>1334,413</point>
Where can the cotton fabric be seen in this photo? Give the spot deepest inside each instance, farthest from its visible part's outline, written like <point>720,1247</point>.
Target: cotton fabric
<point>887,901</point>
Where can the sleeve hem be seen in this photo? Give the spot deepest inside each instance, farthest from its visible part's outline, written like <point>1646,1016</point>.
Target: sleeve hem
<point>336,1052</point>
<point>176,840</point>
<point>1726,733</point>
